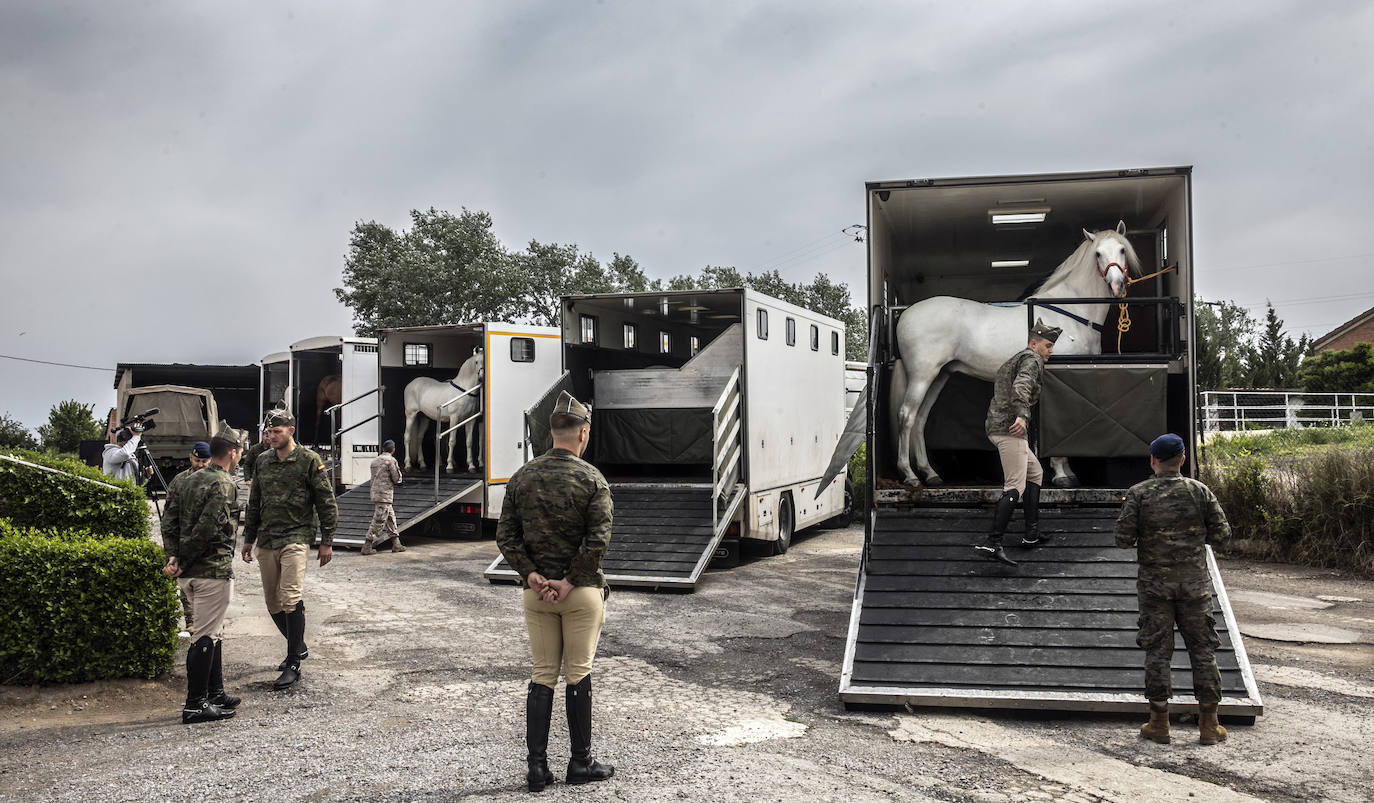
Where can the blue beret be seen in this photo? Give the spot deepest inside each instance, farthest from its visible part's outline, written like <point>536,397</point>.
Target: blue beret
<point>1166,446</point>
<point>200,449</point>
<point>388,444</point>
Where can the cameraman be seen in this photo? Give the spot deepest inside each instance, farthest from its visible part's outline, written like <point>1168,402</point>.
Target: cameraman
<point>120,458</point>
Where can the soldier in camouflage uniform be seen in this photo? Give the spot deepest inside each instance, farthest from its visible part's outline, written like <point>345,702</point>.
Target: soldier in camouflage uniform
<point>200,555</point>
<point>1170,519</point>
<point>386,475</point>
<point>291,496</point>
<point>200,458</point>
<point>554,530</point>
<point>250,457</point>
<point>1015,391</point>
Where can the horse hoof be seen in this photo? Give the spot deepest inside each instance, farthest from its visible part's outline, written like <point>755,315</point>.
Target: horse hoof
<point>1065,482</point>
<point>911,482</point>
<point>934,481</point>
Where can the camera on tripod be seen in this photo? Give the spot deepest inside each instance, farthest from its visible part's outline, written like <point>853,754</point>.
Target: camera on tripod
<point>138,423</point>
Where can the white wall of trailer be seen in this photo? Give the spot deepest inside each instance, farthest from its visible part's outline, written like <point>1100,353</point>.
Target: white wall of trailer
<point>512,386</point>
<point>794,413</point>
<point>358,447</point>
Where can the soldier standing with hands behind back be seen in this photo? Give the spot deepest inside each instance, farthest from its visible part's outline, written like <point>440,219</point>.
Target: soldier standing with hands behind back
<point>291,493</point>
<point>1170,519</point>
<point>554,530</point>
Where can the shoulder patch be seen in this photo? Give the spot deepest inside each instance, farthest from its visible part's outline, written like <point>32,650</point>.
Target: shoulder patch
<point>319,466</point>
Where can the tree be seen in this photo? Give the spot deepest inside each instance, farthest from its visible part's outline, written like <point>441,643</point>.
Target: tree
<point>1275,358</point>
<point>1223,349</point>
<point>69,423</point>
<point>1339,371</point>
<point>14,435</point>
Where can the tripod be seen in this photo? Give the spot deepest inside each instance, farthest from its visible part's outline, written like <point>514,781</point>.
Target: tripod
<point>144,454</point>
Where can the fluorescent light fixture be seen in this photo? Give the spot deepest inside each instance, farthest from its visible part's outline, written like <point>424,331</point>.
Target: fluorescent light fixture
<point>1010,263</point>
<point>1018,214</point>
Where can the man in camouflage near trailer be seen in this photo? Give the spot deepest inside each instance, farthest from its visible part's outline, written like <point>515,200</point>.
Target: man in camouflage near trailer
<point>554,530</point>
<point>292,495</point>
<point>200,458</point>
<point>1170,519</point>
<point>250,457</point>
<point>200,555</point>
<point>386,475</point>
<point>1015,391</point>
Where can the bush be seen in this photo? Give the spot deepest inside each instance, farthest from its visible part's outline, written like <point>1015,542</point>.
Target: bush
<point>31,497</point>
<point>82,607</point>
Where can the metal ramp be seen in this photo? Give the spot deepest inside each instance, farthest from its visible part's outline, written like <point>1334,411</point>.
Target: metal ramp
<point>413,501</point>
<point>663,536</point>
<point>935,625</point>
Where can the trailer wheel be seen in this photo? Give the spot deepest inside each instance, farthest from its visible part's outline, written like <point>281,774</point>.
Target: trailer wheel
<point>784,525</point>
<point>846,515</point>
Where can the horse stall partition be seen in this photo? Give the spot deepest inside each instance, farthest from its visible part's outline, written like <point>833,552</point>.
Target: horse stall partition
<point>274,383</point>
<point>958,270</point>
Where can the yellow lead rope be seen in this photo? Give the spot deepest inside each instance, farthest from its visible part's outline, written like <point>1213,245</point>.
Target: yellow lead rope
<point>1123,321</point>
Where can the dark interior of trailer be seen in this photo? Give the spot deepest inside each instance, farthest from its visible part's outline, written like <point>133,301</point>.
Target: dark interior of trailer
<point>940,242</point>
<point>312,367</point>
<point>650,441</point>
<point>448,348</point>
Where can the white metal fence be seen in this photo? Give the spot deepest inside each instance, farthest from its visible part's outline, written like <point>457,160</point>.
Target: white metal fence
<point>1233,410</point>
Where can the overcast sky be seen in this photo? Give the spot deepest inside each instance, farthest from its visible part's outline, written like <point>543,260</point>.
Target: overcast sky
<point>178,179</point>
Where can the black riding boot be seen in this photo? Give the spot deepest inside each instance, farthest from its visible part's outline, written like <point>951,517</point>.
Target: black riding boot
<point>279,619</point>
<point>1001,517</point>
<point>217,695</point>
<point>1030,508</point>
<point>199,659</point>
<point>538,710</point>
<point>582,767</point>
<point>295,646</point>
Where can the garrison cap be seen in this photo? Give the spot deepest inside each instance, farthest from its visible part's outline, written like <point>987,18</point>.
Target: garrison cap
<point>1050,333</point>
<point>228,437</point>
<point>200,449</point>
<point>1166,446</point>
<point>280,418</point>
<point>567,405</point>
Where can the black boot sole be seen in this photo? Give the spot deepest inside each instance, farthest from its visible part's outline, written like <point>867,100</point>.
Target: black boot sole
<point>199,717</point>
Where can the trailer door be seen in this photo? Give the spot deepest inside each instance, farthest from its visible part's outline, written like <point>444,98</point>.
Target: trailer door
<point>520,366</point>
<point>357,447</point>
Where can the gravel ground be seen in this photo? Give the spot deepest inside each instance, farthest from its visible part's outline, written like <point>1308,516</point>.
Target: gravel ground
<point>414,690</point>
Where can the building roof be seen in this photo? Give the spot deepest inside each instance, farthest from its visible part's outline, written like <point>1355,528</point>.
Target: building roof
<point>1321,343</point>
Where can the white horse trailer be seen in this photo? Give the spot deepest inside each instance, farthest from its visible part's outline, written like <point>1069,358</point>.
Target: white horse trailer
<point>855,380</point>
<point>519,361</point>
<point>322,372</point>
<point>714,414</point>
<point>933,624</point>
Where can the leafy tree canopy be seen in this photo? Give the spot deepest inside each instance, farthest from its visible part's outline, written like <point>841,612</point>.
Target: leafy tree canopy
<point>69,423</point>
<point>1234,351</point>
<point>1342,371</point>
<point>15,435</point>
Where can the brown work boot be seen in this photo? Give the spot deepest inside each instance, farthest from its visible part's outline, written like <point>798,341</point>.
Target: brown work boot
<point>397,546</point>
<point>1209,730</point>
<point>1157,729</point>
<point>367,548</point>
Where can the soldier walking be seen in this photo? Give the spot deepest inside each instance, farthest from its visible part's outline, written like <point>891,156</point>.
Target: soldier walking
<point>250,457</point>
<point>200,555</point>
<point>200,458</point>
<point>554,530</point>
<point>290,497</point>
<point>1170,519</point>
<point>386,475</point>
<point>1014,392</point>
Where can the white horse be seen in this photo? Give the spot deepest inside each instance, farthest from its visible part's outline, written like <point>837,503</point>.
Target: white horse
<point>943,334</point>
<point>424,396</point>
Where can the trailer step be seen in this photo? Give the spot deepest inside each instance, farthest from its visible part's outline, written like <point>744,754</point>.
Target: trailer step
<point>932,625</point>
<point>413,501</point>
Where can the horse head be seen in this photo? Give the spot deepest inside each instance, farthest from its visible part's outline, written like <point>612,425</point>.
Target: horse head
<point>1116,259</point>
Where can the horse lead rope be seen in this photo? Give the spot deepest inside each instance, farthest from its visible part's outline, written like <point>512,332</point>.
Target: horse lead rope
<point>1123,321</point>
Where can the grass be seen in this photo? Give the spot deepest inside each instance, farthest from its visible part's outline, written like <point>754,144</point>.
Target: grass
<point>1291,442</point>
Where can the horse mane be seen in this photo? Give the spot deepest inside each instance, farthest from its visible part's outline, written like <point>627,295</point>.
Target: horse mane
<point>1085,253</point>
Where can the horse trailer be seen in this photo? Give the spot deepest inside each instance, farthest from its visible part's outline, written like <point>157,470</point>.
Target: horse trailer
<point>932,624</point>
<point>311,380</point>
<point>714,413</point>
<point>515,363</point>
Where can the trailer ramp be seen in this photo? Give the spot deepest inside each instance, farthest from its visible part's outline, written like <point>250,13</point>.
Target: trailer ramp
<point>413,500</point>
<point>663,536</point>
<point>933,624</point>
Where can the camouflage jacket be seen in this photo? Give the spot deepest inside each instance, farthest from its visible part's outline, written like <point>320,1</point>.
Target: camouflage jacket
<point>556,519</point>
<point>171,513</point>
<point>1015,391</point>
<point>250,458</point>
<point>386,475</point>
<point>288,498</point>
<point>204,543</point>
<point>1169,519</point>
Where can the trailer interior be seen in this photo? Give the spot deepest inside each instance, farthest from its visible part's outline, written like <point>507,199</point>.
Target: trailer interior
<point>437,352</point>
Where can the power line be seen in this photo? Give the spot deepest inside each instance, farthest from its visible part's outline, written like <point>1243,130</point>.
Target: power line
<point>1289,262</point>
<point>50,362</point>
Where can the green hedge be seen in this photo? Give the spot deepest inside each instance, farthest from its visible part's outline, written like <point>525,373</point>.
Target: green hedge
<point>31,497</point>
<point>81,607</point>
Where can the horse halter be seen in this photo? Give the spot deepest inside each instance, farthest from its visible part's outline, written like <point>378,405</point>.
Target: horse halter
<point>1125,274</point>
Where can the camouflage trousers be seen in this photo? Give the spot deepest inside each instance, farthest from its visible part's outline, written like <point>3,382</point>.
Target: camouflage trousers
<point>1189,606</point>
<point>383,523</point>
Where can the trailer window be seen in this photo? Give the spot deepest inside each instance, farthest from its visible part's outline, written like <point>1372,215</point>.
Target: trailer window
<point>791,332</point>
<point>588,329</point>
<point>834,342</point>
<point>762,324</point>
<point>630,331</point>
<point>419,354</point>
<point>815,337</point>
<point>665,343</point>
<point>694,344</point>
<point>522,349</point>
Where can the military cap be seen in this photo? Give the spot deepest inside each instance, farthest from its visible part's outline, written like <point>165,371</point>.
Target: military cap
<point>1050,333</point>
<point>228,437</point>
<point>567,405</point>
<point>200,449</point>
<point>1166,446</point>
<point>388,444</point>
<point>280,418</point>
